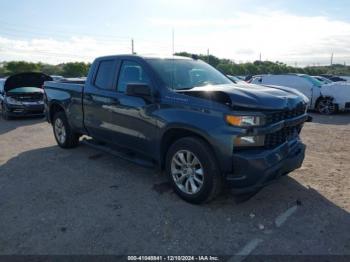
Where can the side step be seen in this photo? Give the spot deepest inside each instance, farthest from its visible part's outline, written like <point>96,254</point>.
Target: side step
<point>120,152</point>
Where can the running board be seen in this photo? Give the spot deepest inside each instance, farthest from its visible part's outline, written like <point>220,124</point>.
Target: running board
<point>120,153</point>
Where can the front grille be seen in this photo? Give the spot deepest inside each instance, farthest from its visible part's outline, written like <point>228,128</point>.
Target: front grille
<point>29,98</point>
<point>287,114</point>
<point>288,133</point>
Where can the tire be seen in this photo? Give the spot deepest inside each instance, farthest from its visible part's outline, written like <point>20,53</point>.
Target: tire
<point>181,174</point>
<point>325,106</point>
<point>64,135</point>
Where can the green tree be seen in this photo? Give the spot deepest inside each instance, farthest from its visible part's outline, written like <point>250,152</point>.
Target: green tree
<point>225,68</point>
<point>51,69</point>
<point>75,69</point>
<point>3,71</point>
<point>15,67</point>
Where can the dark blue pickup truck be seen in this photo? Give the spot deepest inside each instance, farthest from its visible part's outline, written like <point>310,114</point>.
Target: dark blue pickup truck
<point>191,120</point>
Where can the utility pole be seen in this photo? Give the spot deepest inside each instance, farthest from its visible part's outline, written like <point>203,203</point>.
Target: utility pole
<point>132,46</point>
<point>260,57</point>
<point>208,56</point>
<point>332,59</point>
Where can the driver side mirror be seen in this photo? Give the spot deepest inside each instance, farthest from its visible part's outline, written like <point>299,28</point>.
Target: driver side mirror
<point>139,90</point>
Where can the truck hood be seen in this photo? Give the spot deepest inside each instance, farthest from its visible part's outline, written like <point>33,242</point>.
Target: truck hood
<point>26,80</point>
<point>250,96</point>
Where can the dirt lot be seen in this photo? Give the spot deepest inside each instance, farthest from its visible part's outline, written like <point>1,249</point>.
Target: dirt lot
<point>82,201</point>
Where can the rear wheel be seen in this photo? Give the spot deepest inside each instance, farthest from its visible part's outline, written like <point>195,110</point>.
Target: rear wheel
<point>193,171</point>
<point>326,106</point>
<point>64,135</point>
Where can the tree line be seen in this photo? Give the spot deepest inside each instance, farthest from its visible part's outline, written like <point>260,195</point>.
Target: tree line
<point>73,69</point>
<point>78,69</point>
<point>267,67</point>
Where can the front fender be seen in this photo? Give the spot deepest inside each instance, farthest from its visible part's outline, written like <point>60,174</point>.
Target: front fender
<point>209,125</point>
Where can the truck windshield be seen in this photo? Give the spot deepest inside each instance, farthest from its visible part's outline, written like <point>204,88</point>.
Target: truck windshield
<point>180,74</point>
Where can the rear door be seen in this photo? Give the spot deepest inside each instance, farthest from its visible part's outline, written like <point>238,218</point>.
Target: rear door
<point>99,99</point>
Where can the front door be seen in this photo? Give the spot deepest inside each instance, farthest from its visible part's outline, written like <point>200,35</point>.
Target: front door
<point>132,118</point>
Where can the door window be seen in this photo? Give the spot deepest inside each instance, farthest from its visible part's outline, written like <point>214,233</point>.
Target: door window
<point>105,75</point>
<point>131,73</point>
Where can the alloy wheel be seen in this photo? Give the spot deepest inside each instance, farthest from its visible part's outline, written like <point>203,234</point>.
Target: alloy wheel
<point>187,172</point>
<point>60,131</point>
<point>326,107</point>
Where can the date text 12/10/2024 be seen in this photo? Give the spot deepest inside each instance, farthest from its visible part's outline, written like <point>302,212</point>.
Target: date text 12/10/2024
<point>173,258</point>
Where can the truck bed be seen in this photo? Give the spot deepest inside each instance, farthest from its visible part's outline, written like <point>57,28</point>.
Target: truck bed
<point>69,85</point>
<point>73,80</point>
<point>68,94</point>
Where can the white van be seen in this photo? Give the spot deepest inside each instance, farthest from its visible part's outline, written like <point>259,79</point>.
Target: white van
<point>325,98</point>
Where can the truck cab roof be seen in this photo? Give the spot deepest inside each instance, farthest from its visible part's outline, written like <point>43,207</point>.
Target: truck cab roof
<point>146,56</point>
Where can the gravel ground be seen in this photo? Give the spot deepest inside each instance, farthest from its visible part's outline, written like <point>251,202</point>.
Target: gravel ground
<point>83,201</point>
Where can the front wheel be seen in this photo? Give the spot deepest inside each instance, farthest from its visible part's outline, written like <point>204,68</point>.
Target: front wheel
<point>326,106</point>
<point>193,171</point>
<point>64,135</point>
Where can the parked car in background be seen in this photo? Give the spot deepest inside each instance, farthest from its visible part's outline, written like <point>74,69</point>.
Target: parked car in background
<point>237,80</point>
<point>323,80</point>
<point>347,78</point>
<point>56,77</point>
<point>325,98</point>
<point>23,95</point>
<point>326,81</point>
<point>334,78</point>
<point>187,118</point>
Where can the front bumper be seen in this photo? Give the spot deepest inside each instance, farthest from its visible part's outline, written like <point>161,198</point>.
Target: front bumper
<point>254,169</point>
<point>25,110</point>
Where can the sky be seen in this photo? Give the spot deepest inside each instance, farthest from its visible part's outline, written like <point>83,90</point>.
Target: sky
<point>296,32</point>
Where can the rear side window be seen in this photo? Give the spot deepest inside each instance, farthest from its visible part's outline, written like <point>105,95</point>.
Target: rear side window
<point>131,73</point>
<point>105,75</point>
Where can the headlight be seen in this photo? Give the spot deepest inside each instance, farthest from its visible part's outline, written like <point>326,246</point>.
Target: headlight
<point>13,101</point>
<point>245,121</point>
<point>249,141</point>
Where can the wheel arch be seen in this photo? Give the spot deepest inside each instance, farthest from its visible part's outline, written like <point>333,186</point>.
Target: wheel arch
<point>54,108</point>
<point>175,133</point>
<point>322,97</point>
<point>332,100</point>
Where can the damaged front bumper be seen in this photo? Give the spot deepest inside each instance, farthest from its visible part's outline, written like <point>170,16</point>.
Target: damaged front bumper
<point>258,168</point>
